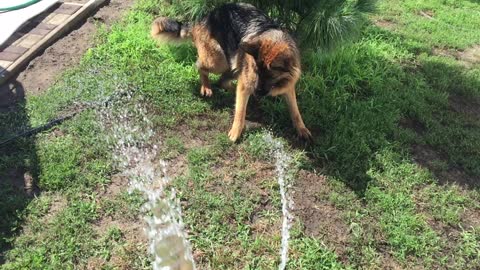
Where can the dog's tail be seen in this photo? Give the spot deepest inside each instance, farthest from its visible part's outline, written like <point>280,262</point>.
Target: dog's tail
<point>167,30</point>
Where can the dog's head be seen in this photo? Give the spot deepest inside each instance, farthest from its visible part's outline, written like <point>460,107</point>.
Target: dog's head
<point>278,63</point>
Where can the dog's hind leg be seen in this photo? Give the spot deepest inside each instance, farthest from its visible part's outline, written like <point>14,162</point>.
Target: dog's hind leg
<point>211,58</point>
<point>297,120</point>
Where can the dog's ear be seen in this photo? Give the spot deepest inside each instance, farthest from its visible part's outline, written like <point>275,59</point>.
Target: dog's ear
<point>251,47</point>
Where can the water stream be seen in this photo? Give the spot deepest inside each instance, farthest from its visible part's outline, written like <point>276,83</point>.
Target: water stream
<point>282,165</point>
<point>132,137</point>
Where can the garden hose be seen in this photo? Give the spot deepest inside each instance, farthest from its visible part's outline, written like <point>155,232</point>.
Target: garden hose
<point>23,5</point>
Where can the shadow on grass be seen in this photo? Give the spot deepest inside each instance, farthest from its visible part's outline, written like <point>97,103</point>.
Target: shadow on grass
<point>18,162</point>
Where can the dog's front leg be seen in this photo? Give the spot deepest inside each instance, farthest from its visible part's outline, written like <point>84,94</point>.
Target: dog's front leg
<point>206,88</point>
<point>297,120</point>
<point>241,100</point>
<point>247,82</point>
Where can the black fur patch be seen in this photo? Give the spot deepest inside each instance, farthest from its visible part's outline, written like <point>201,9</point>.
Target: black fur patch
<point>172,26</point>
<point>230,23</point>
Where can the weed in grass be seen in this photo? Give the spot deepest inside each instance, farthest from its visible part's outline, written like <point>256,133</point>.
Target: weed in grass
<point>309,253</point>
<point>470,247</point>
<point>173,148</point>
<point>125,205</point>
<point>74,157</point>
<point>257,147</point>
<point>444,204</point>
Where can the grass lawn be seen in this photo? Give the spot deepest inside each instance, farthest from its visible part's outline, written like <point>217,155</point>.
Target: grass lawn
<point>391,180</point>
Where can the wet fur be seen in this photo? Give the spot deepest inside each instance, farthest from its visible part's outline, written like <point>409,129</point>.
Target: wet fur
<point>240,42</point>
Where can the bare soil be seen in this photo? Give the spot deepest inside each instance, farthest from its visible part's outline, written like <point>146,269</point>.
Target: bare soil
<point>65,53</point>
<point>427,157</point>
<point>386,24</point>
<point>467,106</point>
<point>320,218</point>
<point>467,57</point>
<point>133,238</point>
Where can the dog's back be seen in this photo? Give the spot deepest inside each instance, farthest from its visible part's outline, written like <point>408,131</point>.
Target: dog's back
<point>229,24</point>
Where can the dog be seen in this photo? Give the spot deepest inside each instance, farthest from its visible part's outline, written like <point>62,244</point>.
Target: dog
<point>240,42</point>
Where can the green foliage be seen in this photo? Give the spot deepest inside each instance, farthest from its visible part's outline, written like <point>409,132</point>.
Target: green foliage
<point>257,147</point>
<point>318,24</point>
<point>312,255</point>
<point>407,232</point>
<point>430,23</point>
<point>78,157</point>
<point>60,160</point>
<point>66,240</point>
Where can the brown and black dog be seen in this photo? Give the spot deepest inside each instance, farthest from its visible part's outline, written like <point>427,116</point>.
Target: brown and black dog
<point>240,42</point>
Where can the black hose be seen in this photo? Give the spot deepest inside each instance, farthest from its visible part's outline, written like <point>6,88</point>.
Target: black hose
<point>38,129</point>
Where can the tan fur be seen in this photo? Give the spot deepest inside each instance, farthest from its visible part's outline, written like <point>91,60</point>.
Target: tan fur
<point>157,32</point>
<point>211,58</point>
<point>246,86</point>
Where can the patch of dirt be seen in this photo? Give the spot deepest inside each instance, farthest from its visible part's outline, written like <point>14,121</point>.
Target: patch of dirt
<point>250,184</point>
<point>470,55</point>
<point>388,262</point>
<point>467,106</point>
<point>118,183</point>
<point>385,24</point>
<point>320,218</point>
<point>429,14</point>
<point>429,158</point>
<point>413,124</point>
<point>58,204</point>
<point>467,58</point>
<point>263,172</point>
<point>443,52</point>
<point>177,167</point>
<point>133,237</point>
<point>471,218</point>
<point>65,53</point>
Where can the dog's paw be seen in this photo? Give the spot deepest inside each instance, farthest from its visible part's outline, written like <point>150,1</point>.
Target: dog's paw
<point>304,133</point>
<point>206,91</point>
<point>234,133</point>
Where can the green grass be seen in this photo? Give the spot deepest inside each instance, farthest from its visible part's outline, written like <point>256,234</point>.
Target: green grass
<point>402,163</point>
<point>429,23</point>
